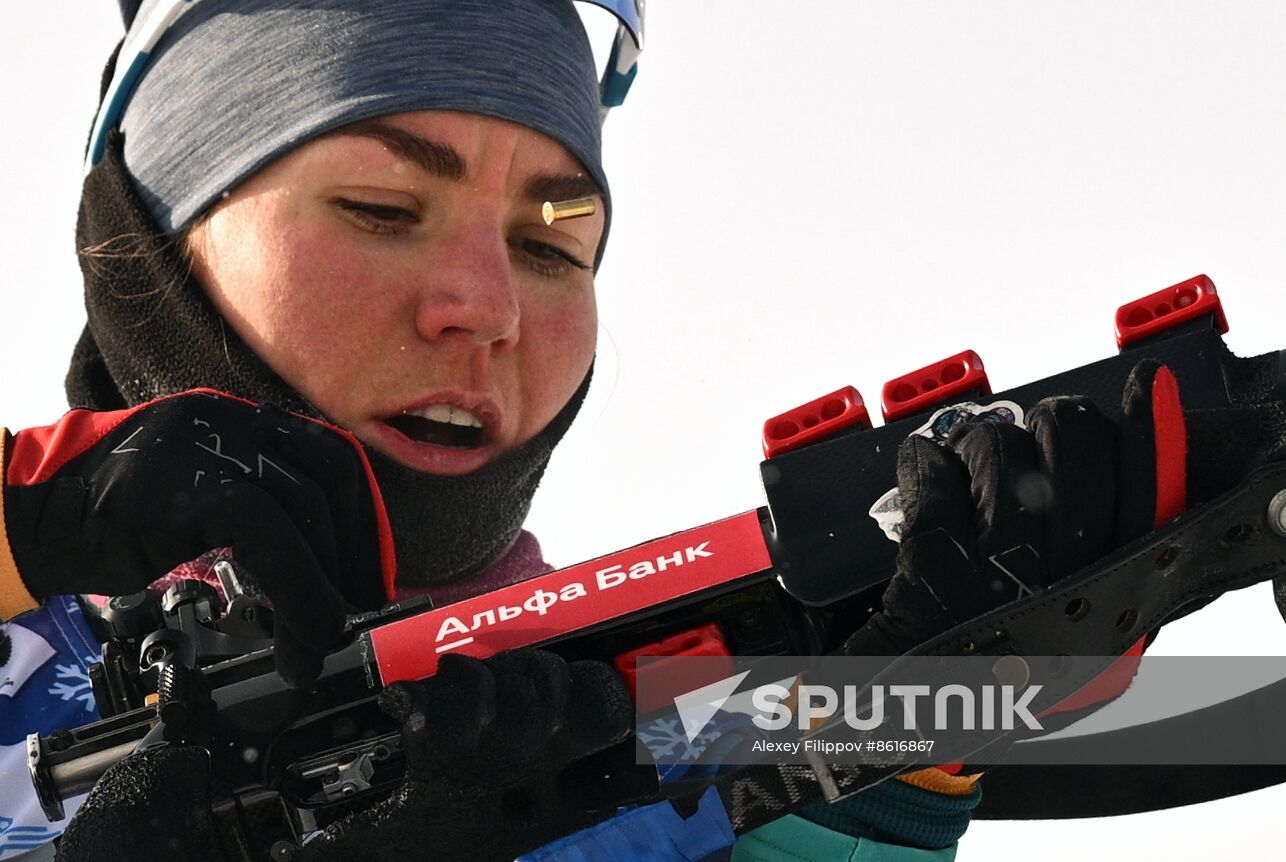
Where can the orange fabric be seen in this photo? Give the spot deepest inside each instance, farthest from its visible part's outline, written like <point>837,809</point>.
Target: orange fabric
<point>14,596</point>
<point>936,780</point>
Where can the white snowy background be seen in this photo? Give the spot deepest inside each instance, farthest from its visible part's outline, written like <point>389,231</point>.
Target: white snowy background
<point>811,194</point>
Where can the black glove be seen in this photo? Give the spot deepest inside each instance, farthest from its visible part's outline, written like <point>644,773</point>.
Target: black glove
<point>149,807</point>
<point>503,756</point>
<point>998,511</point>
<point>109,502</point>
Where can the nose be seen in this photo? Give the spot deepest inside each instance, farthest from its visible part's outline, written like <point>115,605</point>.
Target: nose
<point>469,291</point>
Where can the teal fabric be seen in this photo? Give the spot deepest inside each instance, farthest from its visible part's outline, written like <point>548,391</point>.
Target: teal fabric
<point>794,839</point>
<point>895,812</point>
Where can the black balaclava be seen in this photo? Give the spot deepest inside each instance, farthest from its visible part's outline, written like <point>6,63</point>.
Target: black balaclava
<point>152,331</point>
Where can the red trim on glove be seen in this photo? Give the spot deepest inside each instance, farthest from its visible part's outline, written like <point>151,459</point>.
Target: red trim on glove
<point>1171,435</point>
<point>388,557</point>
<point>39,453</point>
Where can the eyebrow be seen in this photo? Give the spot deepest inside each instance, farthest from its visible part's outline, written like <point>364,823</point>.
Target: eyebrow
<point>441,160</point>
<point>444,161</point>
<point>560,187</point>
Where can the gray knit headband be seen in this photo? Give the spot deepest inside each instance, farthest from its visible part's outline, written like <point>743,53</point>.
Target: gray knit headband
<point>236,83</point>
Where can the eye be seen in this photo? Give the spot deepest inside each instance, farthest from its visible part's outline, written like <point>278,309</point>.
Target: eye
<point>545,259</point>
<point>377,218</point>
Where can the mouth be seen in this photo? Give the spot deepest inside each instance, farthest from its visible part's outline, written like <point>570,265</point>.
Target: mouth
<point>441,425</point>
<point>447,434</point>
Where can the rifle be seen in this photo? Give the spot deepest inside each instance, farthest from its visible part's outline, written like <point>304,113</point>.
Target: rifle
<point>793,577</point>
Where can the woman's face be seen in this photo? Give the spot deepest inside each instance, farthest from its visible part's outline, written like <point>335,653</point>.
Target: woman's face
<point>399,275</point>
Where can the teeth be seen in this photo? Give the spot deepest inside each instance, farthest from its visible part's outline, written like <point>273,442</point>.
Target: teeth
<point>465,418</point>
<point>450,415</point>
<point>437,413</point>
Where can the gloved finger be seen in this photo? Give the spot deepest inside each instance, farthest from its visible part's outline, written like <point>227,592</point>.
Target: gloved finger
<point>306,505</point>
<point>532,688</point>
<point>266,542</point>
<point>1009,493</point>
<point>310,449</point>
<point>181,769</point>
<point>934,581</point>
<point>445,715</point>
<point>358,512</point>
<point>150,805</point>
<point>600,711</point>
<point>933,486</point>
<point>1076,447</point>
<point>934,586</point>
<point>320,476</point>
<point>295,662</point>
<point>329,450</point>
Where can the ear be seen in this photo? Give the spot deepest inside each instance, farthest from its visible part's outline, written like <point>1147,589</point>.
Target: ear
<point>129,8</point>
